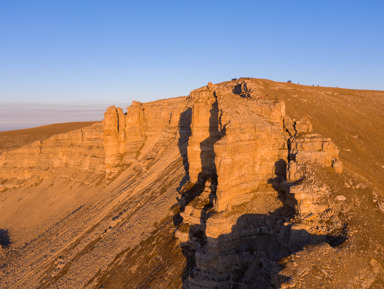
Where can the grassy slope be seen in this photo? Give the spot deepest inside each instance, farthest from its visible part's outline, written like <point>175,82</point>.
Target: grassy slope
<point>353,119</point>
<point>103,224</point>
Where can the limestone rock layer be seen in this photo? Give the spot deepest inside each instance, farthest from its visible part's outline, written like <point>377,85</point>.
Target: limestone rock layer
<point>127,135</point>
<point>243,173</point>
<point>246,159</point>
<point>79,154</point>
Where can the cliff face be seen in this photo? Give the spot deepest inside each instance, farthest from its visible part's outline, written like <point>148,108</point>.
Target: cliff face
<point>225,188</point>
<point>102,150</point>
<point>78,154</point>
<point>241,150</point>
<point>205,133</point>
<point>114,202</point>
<point>126,134</point>
<point>252,149</point>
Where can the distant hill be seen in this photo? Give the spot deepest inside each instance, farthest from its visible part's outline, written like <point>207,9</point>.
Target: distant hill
<point>16,138</point>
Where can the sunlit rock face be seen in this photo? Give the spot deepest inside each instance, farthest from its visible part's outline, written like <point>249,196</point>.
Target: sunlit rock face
<point>102,150</point>
<point>251,150</point>
<point>244,156</point>
<point>243,187</point>
<point>79,154</point>
<point>127,135</point>
<point>114,139</point>
<point>245,141</point>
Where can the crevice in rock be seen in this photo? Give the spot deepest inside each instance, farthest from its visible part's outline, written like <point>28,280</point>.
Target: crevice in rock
<point>203,191</point>
<point>184,135</point>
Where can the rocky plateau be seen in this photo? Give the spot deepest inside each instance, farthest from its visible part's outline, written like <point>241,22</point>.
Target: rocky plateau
<point>248,183</point>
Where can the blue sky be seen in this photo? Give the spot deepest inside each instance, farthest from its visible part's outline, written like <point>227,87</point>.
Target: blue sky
<point>98,53</point>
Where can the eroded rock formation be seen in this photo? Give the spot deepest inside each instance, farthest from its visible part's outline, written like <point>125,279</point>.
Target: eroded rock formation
<point>249,199</point>
<point>126,135</point>
<point>256,191</point>
<point>205,133</point>
<point>102,150</point>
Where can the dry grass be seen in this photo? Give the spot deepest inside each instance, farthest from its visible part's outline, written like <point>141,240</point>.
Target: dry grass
<point>353,119</point>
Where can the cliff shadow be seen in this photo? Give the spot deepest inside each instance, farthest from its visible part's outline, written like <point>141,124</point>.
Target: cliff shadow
<point>282,187</point>
<point>252,251</point>
<point>248,256</point>
<point>206,177</point>
<point>207,155</point>
<point>184,134</point>
<point>5,240</point>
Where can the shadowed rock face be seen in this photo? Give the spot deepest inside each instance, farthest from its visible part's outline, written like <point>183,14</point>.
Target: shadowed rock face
<point>205,134</point>
<point>220,189</point>
<point>4,238</point>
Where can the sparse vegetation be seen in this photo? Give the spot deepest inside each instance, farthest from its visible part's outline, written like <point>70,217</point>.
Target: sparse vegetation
<point>120,234</point>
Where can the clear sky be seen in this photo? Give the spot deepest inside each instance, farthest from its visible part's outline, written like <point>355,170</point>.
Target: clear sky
<point>68,53</point>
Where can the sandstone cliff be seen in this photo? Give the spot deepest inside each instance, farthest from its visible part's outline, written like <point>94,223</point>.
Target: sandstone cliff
<point>237,185</point>
<point>126,134</point>
<point>240,152</point>
<point>80,150</point>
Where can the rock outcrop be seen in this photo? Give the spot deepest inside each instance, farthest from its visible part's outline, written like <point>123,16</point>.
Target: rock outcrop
<point>245,207</point>
<point>126,135</point>
<point>251,151</point>
<point>102,150</point>
<point>79,154</point>
<point>114,139</point>
<point>225,188</point>
<point>205,133</point>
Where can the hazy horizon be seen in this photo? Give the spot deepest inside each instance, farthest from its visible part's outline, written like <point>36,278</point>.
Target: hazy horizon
<point>18,115</point>
<point>21,116</point>
<point>114,52</point>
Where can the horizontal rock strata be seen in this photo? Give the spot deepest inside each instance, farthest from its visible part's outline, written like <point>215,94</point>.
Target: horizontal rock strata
<point>125,134</point>
<point>249,197</point>
<point>254,210</point>
<point>81,151</point>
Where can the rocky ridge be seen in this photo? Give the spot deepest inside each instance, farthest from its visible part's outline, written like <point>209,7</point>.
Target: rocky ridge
<point>262,201</point>
<point>247,164</point>
<point>126,134</point>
